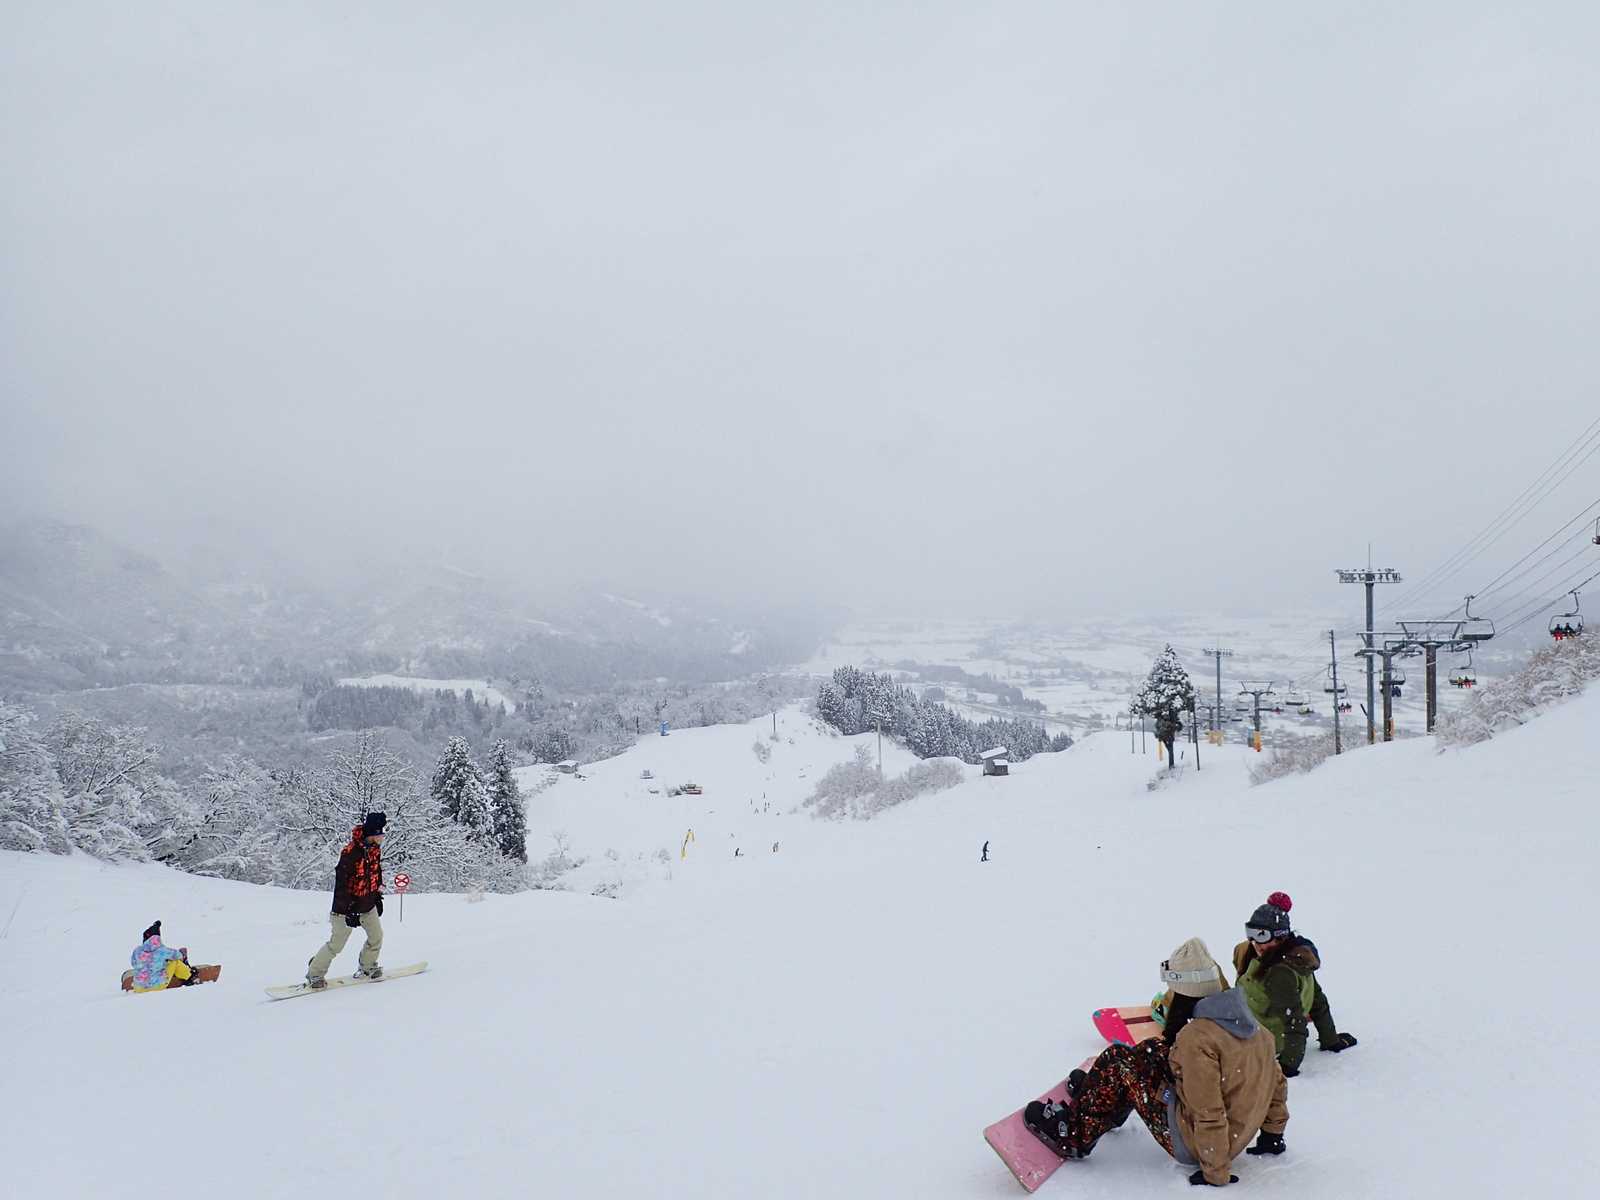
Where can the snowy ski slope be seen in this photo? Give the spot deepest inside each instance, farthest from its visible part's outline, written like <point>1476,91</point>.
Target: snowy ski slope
<point>843,1017</point>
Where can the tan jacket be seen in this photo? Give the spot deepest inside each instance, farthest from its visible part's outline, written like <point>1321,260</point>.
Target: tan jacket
<point>1229,1088</point>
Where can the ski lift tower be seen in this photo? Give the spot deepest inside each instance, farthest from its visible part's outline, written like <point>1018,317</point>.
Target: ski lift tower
<point>1255,689</point>
<point>1370,577</point>
<point>1393,645</point>
<point>1433,636</point>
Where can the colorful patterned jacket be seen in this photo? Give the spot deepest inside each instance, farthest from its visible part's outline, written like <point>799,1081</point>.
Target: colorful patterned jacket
<point>149,964</point>
<point>358,879</point>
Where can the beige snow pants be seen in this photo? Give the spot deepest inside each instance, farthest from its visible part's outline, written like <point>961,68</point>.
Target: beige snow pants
<point>317,968</point>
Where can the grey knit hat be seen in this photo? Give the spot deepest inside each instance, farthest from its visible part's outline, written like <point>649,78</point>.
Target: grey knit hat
<point>1191,971</point>
<point>1271,918</point>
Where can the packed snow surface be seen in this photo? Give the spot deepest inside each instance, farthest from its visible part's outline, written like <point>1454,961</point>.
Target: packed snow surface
<point>840,1018</point>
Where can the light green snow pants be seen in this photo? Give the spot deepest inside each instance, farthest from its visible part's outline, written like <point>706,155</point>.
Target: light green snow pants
<point>317,968</point>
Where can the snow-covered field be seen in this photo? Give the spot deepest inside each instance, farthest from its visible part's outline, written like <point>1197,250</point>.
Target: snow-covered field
<point>843,1017</point>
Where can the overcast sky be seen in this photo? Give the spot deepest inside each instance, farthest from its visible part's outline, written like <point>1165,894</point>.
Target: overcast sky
<point>1001,307</point>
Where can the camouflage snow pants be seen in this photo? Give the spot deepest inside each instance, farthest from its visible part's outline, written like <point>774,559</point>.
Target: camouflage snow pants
<point>1123,1080</point>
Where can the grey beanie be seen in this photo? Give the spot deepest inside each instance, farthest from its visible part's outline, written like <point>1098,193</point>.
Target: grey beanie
<point>1269,917</point>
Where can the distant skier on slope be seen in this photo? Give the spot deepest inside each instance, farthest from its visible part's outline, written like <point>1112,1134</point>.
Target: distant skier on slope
<point>1277,970</point>
<point>357,902</point>
<point>1204,1088</point>
<point>156,967</point>
<point>985,856</point>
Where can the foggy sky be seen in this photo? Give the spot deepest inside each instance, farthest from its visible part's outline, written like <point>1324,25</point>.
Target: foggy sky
<point>1002,308</point>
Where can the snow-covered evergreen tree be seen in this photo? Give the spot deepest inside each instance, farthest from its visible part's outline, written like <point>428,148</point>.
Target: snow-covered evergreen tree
<point>1166,695</point>
<point>459,791</point>
<point>505,801</point>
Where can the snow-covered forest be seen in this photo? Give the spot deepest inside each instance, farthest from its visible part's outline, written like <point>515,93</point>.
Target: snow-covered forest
<point>76,784</point>
<point>855,701</point>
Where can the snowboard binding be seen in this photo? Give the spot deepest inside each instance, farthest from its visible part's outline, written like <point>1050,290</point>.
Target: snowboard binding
<point>1048,1121</point>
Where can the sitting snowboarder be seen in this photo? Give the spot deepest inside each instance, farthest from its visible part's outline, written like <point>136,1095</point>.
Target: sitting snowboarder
<point>1165,1003</point>
<point>1204,1088</point>
<point>1277,971</point>
<point>156,967</point>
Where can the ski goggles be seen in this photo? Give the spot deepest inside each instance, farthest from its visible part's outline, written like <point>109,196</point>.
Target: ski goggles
<point>1209,975</point>
<point>1259,936</point>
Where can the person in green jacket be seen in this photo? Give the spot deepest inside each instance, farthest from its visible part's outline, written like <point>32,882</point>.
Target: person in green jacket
<point>1277,970</point>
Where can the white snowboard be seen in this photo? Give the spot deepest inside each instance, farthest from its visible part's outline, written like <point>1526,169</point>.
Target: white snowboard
<point>305,989</point>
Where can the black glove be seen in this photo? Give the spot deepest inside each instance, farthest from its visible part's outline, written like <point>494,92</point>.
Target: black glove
<point>1343,1042</point>
<point>353,919</point>
<point>1290,1072</point>
<point>1268,1143</point>
<point>1199,1180</point>
<point>380,906</point>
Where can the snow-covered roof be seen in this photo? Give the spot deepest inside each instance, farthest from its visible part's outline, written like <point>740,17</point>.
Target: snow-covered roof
<point>567,762</point>
<point>997,752</point>
<point>999,762</point>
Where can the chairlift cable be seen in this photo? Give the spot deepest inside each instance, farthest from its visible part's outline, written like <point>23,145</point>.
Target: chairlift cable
<point>1582,516</point>
<point>1456,562</point>
<point>1539,607</point>
<point>1584,552</point>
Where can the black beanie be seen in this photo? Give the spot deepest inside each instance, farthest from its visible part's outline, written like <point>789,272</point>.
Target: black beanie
<point>153,931</point>
<point>374,823</point>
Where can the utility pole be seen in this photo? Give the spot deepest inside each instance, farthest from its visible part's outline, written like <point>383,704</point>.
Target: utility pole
<point>877,724</point>
<point>1219,655</point>
<point>1369,577</point>
<point>1333,658</point>
<point>1194,734</point>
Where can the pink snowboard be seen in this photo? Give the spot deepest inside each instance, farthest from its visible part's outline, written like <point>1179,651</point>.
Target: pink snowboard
<point>1029,1159</point>
<point>1130,1024</point>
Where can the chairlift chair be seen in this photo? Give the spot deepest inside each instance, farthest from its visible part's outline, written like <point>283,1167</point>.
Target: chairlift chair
<point>1597,533</point>
<point>1475,629</point>
<point>1568,625</point>
<point>1330,689</point>
<point>1462,675</point>
<point>1397,679</point>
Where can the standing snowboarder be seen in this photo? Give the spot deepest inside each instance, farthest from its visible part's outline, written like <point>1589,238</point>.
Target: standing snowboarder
<point>985,857</point>
<point>357,902</point>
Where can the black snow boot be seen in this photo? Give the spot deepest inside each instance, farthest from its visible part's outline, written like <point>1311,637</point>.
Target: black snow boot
<point>1075,1082</point>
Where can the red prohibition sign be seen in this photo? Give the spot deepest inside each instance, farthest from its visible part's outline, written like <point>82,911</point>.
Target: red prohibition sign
<point>402,881</point>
